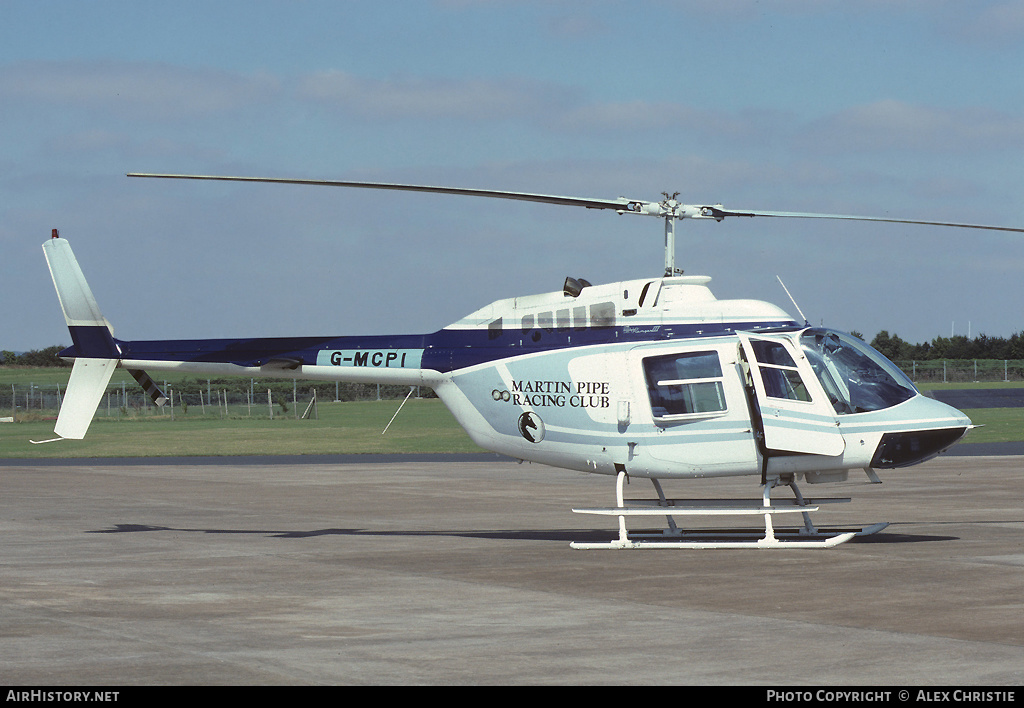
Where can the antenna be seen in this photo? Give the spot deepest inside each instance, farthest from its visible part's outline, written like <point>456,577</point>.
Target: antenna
<point>793,301</point>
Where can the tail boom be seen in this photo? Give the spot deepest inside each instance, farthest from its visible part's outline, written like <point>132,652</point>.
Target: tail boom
<point>372,359</point>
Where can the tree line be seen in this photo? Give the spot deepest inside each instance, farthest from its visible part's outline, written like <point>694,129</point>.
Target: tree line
<point>36,357</point>
<point>956,347</point>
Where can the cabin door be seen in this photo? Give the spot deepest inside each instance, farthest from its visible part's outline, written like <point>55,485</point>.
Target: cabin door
<point>796,414</point>
<point>697,406</point>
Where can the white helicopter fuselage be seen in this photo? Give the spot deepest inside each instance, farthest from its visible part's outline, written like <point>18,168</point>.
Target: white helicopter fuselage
<point>653,377</point>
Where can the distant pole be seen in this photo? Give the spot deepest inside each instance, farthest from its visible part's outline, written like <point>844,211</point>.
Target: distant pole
<point>270,404</point>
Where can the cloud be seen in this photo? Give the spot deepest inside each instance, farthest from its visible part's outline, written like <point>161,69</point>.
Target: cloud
<point>891,125</point>
<point>577,26</point>
<point>1000,22</point>
<point>667,118</point>
<point>131,89</point>
<point>427,97</point>
<point>163,93</point>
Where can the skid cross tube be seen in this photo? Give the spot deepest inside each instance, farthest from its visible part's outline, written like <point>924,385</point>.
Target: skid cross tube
<point>808,536</point>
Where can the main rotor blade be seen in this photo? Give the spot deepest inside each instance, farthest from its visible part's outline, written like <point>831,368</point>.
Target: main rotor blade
<point>670,208</point>
<point>621,204</point>
<point>719,213</point>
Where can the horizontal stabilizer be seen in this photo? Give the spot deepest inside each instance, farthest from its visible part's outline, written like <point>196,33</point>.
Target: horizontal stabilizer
<point>86,387</point>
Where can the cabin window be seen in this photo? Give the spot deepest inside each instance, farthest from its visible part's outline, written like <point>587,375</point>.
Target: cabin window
<point>562,319</point>
<point>685,384</point>
<point>527,323</point>
<point>546,321</point>
<point>579,317</point>
<point>778,371</point>
<point>602,314</point>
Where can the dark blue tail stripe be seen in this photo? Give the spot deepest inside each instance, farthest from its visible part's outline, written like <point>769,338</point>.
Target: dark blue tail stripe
<point>444,351</point>
<point>91,342</point>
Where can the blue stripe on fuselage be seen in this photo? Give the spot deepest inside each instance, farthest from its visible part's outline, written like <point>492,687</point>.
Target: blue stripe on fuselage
<point>443,351</point>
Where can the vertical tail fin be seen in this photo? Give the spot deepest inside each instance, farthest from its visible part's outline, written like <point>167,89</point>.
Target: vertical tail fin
<point>95,351</point>
<point>90,330</point>
<point>86,387</point>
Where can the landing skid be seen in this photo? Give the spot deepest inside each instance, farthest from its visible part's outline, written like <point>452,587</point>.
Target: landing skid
<point>806,536</point>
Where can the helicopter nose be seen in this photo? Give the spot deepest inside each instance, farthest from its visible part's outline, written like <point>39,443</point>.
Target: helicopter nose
<point>940,427</point>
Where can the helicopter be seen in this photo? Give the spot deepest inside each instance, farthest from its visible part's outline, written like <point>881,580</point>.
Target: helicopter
<point>650,378</point>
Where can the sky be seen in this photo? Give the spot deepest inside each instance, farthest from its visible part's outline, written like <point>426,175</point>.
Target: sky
<point>910,109</point>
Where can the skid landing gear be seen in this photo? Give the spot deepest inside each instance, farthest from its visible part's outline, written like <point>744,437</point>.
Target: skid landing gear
<point>806,536</point>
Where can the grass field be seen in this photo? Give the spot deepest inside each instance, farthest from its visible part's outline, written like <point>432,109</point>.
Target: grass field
<point>422,426</point>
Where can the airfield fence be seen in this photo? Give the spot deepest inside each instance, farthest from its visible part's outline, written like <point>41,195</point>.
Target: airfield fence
<point>220,399</point>
<point>254,398</point>
<point>963,370</point>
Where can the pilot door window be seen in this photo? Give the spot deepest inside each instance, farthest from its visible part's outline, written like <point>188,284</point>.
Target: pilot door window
<point>778,371</point>
<point>685,384</point>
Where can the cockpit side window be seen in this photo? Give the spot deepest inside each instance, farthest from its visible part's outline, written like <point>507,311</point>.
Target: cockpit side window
<point>779,371</point>
<point>684,384</point>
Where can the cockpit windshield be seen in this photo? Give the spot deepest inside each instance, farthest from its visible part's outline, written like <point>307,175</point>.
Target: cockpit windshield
<point>856,378</point>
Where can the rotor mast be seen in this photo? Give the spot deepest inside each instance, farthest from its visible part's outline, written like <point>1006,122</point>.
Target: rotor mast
<point>669,208</point>
<point>670,246</point>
